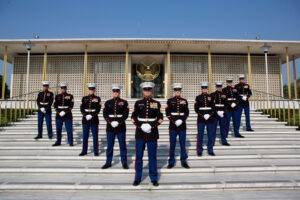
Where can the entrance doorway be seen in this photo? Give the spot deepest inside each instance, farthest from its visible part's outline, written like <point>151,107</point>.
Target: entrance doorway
<point>147,68</point>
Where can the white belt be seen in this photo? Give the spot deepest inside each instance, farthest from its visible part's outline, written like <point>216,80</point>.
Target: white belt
<point>177,114</point>
<point>89,110</point>
<point>243,95</point>
<point>146,119</point>
<point>231,99</point>
<point>44,103</point>
<point>115,115</point>
<point>205,108</point>
<point>62,107</point>
<point>219,105</point>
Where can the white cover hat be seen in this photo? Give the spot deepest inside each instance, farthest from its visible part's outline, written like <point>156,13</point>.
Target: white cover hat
<point>91,85</point>
<point>147,85</point>
<point>177,86</point>
<point>116,87</point>
<point>46,83</point>
<point>63,84</point>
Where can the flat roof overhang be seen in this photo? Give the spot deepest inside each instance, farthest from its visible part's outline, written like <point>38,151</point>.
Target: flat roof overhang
<point>144,45</point>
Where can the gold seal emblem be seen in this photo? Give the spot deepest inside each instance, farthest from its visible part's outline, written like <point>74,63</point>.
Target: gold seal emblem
<point>148,69</point>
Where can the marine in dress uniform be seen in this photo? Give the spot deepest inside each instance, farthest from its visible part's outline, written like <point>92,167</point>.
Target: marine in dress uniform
<point>90,108</point>
<point>232,108</point>
<point>245,93</point>
<point>44,102</point>
<point>63,104</point>
<point>146,117</point>
<point>177,111</point>
<point>204,107</point>
<point>219,104</point>
<point>115,112</point>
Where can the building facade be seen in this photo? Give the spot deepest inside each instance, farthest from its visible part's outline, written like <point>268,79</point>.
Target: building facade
<point>129,62</point>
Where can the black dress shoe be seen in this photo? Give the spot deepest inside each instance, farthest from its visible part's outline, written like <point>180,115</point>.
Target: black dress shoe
<point>250,130</point>
<point>55,144</point>
<point>136,183</point>
<point>125,166</point>
<point>71,145</point>
<point>170,166</point>
<point>225,144</point>
<point>106,166</point>
<point>199,154</point>
<point>239,136</point>
<point>82,154</point>
<point>155,183</point>
<point>211,154</point>
<point>96,154</point>
<point>38,137</point>
<point>185,165</point>
<point>50,138</point>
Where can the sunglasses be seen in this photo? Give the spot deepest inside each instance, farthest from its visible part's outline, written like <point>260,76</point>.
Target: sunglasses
<point>116,90</point>
<point>91,88</point>
<point>177,89</point>
<point>147,89</point>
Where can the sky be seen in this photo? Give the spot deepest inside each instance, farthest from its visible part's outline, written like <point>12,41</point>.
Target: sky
<point>234,19</point>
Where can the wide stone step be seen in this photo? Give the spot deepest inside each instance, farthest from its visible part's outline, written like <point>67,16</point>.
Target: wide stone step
<point>131,152</point>
<point>162,163</point>
<point>185,193</point>
<point>191,134</point>
<point>168,178</point>
<point>257,157</point>
<point>95,170</point>
<point>161,142</point>
<point>161,148</point>
<point>166,123</point>
<point>177,186</point>
<point>164,139</point>
<point>132,128</point>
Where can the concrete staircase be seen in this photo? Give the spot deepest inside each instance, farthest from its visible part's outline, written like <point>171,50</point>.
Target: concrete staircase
<point>268,158</point>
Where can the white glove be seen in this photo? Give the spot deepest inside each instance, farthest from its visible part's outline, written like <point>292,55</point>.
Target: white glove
<point>43,110</point>
<point>62,113</point>
<point>233,105</point>
<point>146,128</point>
<point>178,122</point>
<point>114,124</point>
<point>206,116</point>
<point>244,98</point>
<point>220,113</point>
<point>88,117</point>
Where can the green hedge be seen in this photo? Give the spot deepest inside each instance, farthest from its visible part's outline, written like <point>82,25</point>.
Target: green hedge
<point>283,115</point>
<point>12,115</point>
